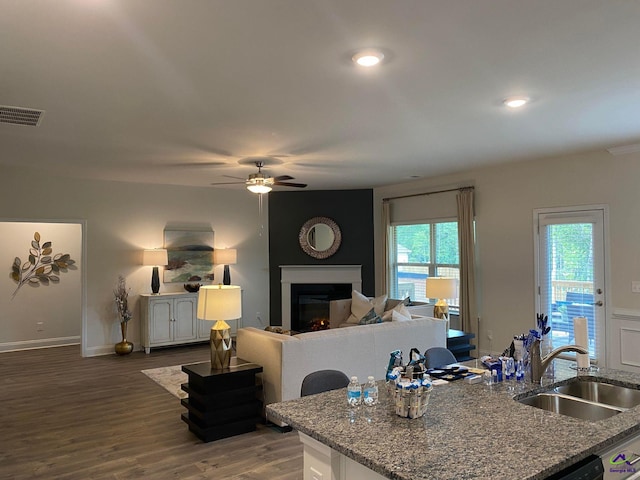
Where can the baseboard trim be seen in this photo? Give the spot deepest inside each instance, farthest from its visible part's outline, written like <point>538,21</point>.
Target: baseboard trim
<point>40,343</point>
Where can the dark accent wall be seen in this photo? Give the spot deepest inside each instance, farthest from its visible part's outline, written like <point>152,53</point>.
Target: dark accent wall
<point>352,210</point>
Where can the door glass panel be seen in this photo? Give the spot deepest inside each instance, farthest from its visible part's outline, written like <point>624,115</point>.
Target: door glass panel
<point>570,269</point>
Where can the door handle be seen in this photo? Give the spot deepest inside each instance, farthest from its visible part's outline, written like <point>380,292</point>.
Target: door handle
<point>598,303</point>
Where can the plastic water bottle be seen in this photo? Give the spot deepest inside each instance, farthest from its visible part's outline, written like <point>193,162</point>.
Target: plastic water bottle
<point>354,392</point>
<point>370,392</point>
<point>519,372</point>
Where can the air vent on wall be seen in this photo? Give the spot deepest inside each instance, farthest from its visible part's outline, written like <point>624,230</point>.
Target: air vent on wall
<point>20,116</point>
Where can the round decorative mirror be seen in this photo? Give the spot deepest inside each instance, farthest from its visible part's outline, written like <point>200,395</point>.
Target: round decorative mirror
<point>320,237</point>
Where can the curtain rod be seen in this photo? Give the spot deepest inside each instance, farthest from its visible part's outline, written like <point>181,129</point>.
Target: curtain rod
<point>429,193</point>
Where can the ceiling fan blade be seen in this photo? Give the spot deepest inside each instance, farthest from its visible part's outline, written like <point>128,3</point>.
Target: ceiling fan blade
<point>226,183</point>
<point>231,176</point>
<point>282,178</point>
<point>289,184</point>
<point>195,164</point>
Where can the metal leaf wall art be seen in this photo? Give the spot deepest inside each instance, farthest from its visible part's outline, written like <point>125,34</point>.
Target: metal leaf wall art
<point>41,267</point>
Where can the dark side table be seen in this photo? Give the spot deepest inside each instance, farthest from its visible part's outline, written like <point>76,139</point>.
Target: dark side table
<point>221,403</point>
<point>459,343</point>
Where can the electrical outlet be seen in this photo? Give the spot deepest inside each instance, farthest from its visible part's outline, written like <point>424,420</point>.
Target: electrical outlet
<point>39,326</point>
<point>490,334</point>
<point>635,286</point>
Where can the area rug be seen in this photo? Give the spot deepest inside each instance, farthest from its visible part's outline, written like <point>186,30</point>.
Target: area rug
<point>169,378</point>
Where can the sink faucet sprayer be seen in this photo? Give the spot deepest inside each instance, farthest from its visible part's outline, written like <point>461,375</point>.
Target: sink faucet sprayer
<point>538,365</point>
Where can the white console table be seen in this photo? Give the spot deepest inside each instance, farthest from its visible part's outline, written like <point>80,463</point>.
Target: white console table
<point>170,319</point>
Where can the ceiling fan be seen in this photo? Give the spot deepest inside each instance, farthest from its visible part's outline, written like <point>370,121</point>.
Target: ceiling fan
<point>262,183</point>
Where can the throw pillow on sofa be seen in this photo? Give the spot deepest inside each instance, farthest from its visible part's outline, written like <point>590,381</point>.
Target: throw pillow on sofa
<point>397,316</point>
<point>361,305</point>
<point>369,318</point>
<point>400,309</point>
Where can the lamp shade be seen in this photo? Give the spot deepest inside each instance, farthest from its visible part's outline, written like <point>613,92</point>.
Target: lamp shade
<point>155,257</point>
<point>259,188</point>
<point>219,302</point>
<point>441,287</point>
<point>225,256</point>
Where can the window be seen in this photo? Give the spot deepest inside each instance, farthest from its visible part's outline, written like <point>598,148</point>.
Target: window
<point>422,250</point>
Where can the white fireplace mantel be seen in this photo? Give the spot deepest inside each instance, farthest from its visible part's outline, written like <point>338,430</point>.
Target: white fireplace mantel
<point>295,274</point>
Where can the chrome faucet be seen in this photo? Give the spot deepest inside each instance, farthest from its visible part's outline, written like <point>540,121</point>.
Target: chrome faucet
<point>538,365</point>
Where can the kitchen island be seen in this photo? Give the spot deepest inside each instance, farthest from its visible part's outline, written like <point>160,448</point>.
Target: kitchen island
<point>469,432</point>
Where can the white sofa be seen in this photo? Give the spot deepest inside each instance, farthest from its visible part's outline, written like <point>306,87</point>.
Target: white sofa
<point>360,350</point>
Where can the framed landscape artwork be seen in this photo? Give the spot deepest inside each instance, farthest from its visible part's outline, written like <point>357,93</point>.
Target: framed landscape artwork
<point>190,255</point>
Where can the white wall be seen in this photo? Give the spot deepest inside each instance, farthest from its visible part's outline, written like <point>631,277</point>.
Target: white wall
<point>506,196</point>
<point>124,218</point>
<point>41,309</point>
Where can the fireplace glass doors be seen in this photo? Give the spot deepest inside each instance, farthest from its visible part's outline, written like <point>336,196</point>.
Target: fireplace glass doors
<point>310,304</point>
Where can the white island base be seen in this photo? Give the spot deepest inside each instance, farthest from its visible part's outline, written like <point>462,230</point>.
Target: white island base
<point>322,462</point>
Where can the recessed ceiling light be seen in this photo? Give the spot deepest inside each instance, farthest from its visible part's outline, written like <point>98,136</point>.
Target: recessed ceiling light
<point>368,58</point>
<point>516,102</point>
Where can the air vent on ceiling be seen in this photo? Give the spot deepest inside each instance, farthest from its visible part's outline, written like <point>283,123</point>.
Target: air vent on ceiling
<point>20,116</point>
<point>624,149</point>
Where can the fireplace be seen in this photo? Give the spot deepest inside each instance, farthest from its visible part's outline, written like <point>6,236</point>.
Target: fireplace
<point>310,304</point>
<point>306,275</point>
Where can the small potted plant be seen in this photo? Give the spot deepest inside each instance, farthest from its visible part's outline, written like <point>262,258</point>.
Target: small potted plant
<point>121,294</point>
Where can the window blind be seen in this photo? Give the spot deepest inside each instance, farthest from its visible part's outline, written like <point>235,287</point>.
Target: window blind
<point>568,279</point>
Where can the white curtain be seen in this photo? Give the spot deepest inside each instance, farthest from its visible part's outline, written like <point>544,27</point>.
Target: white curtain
<point>386,226</point>
<point>466,239</point>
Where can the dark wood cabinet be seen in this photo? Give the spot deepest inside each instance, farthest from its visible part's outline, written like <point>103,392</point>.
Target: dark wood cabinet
<point>222,403</point>
<point>458,342</point>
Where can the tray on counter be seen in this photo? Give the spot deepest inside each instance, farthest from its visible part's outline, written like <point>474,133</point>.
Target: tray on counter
<point>449,372</point>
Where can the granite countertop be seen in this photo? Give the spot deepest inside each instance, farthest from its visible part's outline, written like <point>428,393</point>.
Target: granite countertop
<point>469,431</point>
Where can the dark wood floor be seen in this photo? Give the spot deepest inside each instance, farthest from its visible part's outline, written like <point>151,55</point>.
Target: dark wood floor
<point>67,417</point>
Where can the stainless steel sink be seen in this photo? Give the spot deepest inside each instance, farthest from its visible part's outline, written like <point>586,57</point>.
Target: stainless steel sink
<point>588,400</point>
<point>604,393</point>
<point>573,407</point>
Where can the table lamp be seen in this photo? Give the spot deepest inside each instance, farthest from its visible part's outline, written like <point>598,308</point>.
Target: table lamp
<point>441,288</point>
<point>226,257</point>
<point>156,257</point>
<point>219,303</point>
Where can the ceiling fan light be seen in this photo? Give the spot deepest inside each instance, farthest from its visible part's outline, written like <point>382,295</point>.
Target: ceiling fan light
<point>259,188</point>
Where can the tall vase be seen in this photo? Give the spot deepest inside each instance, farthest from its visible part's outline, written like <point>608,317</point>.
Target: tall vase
<point>124,347</point>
